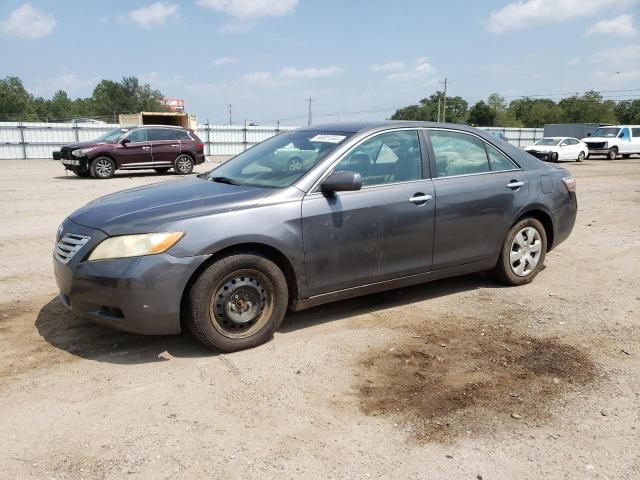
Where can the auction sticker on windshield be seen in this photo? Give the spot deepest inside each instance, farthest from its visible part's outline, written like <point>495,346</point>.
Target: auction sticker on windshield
<point>328,138</point>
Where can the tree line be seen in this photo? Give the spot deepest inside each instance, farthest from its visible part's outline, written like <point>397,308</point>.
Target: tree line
<point>589,107</point>
<point>108,100</point>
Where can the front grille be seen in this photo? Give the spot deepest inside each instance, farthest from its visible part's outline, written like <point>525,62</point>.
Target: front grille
<point>595,145</point>
<point>68,246</point>
<point>541,155</point>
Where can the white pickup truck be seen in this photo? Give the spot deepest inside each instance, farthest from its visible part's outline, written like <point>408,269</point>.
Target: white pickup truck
<point>614,140</point>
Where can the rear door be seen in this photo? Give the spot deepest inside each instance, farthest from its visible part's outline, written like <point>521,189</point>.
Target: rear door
<point>165,145</point>
<point>381,232</point>
<point>479,191</point>
<point>136,152</point>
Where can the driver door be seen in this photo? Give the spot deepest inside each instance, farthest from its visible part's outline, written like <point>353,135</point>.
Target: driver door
<point>381,232</point>
<point>136,152</point>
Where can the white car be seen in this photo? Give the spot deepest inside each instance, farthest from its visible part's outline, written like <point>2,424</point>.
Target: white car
<point>614,140</point>
<point>554,149</point>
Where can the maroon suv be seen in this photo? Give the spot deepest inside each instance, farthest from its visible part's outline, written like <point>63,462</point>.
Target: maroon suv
<point>159,147</point>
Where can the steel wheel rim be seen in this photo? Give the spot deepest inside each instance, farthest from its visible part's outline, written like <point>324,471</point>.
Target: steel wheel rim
<point>184,164</point>
<point>241,304</point>
<point>525,251</point>
<point>103,168</point>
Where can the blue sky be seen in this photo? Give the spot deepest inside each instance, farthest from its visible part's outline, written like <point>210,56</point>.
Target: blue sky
<point>266,56</point>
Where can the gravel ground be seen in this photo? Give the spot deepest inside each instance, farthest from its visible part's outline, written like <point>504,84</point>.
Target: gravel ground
<point>461,378</point>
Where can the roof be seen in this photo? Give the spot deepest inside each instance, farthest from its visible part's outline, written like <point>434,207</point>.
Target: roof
<point>354,127</point>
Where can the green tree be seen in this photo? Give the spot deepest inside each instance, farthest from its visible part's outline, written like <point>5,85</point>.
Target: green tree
<point>588,108</point>
<point>15,101</point>
<point>482,115</point>
<point>427,109</point>
<point>628,111</point>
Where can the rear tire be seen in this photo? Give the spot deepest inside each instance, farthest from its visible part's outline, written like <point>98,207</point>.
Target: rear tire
<point>581,157</point>
<point>522,254</point>
<point>612,154</point>
<point>161,170</point>
<point>183,164</point>
<point>103,167</point>
<point>237,302</point>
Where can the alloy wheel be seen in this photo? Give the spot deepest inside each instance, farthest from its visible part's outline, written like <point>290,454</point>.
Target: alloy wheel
<point>104,168</point>
<point>184,164</point>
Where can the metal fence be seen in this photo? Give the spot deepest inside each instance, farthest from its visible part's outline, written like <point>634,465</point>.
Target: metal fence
<point>26,140</point>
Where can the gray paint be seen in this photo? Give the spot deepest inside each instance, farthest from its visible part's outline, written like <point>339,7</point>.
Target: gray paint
<point>339,245</point>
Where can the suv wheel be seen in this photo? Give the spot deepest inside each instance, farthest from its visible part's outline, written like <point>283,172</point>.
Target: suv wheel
<point>523,253</point>
<point>612,153</point>
<point>183,164</point>
<point>103,167</point>
<point>237,302</point>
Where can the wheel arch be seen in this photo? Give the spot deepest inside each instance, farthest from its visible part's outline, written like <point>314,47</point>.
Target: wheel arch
<point>262,249</point>
<point>544,218</point>
<point>103,154</point>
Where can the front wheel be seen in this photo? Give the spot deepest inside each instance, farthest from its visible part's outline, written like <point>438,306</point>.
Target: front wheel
<point>183,164</point>
<point>553,157</point>
<point>237,302</point>
<point>581,157</point>
<point>103,167</point>
<point>612,153</point>
<point>523,253</point>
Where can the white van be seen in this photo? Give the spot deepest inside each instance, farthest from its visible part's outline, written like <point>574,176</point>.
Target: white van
<point>614,140</point>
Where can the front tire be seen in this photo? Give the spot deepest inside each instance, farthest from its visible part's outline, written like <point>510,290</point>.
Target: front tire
<point>238,302</point>
<point>523,253</point>
<point>553,157</point>
<point>612,154</point>
<point>581,157</point>
<point>103,167</point>
<point>183,164</point>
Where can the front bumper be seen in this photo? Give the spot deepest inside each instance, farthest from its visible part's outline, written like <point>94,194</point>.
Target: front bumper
<point>139,294</point>
<point>545,156</point>
<point>598,151</point>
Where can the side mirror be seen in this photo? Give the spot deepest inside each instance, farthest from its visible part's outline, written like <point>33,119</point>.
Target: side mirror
<point>342,182</point>
<point>124,142</point>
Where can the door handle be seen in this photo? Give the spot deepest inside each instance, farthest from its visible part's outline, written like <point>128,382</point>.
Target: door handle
<point>175,145</point>
<point>515,184</point>
<point>420,198</point>
<point>146,148</point>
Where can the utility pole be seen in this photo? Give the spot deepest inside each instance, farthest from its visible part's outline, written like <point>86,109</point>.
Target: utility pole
<point>310,119</point>
<point>229,106</point>
<point>439,100</point>
<point>444,102</point>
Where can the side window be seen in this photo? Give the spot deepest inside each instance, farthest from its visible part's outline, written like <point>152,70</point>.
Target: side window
<point>158,134</point>
<point>183,135</point>
<point>386,158</point>
<point>498,160</point>
<point>635,132</point>
<point>139,135</point>
<point>458,153</point>
<point>625,134</point>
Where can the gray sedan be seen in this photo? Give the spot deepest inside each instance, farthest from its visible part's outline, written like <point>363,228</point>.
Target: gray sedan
<point>375,206</point>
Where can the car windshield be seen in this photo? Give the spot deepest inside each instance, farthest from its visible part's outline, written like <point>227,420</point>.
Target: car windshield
<point>548,142</point>
<point>112,136</point>
<point>610,132</point>
<point>279,161</point>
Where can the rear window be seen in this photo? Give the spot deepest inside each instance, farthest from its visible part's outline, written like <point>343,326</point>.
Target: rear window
<point>158,134</point>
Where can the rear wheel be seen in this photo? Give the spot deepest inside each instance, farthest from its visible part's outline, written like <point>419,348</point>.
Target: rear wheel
<point>237,302</point>
<point>523,253</point>
<point>612,153</point>
<point>161,170</point>
<point>103,167</point>
<point>183,164</point>
<point>581,157</point>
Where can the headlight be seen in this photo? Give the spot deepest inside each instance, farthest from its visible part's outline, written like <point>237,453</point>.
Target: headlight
<point>135,245</point>
<point>81,152</point>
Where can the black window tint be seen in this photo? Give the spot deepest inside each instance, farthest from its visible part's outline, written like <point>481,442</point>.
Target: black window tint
<point>183,135</point>
<point>386,158</point>
<point>139,135</point>
<point>159,134</point>
<point>458,153</point>
<point>635,132</point>
<point>498,161</point>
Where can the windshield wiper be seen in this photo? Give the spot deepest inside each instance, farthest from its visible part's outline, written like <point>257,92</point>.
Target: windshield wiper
<point>227,180</point>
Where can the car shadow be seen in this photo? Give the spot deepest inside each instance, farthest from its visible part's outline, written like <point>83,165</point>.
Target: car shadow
<point>87,340</point>
<point>72,176</point>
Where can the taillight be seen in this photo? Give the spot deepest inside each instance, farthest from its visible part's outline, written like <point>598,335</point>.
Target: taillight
<point>570,183</point>
<point>200,146</point>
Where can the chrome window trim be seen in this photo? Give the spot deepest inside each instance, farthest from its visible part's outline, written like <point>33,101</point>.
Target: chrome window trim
<point>369,187</point>
<point>517,169</point>
<point>329,169</point>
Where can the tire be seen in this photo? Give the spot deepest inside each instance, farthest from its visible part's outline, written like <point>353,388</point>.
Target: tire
<point>553,157</point>
<point>183,164</point>
<point>237,302</point>
<point>626,155</point>
<point>518,270</point>
<point>161,170</point>
<point>294,164</point>
<point>612,154</point>
<point>588,155</point>
<point>81,173</point>
<point>581,157</point>
<point>103,167</point>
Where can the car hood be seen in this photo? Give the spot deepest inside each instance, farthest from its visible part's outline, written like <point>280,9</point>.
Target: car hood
<point>73,146</point>
<point>145,209</point>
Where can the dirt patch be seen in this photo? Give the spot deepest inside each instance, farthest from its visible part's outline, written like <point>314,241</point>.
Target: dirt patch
<point>440,385</point>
